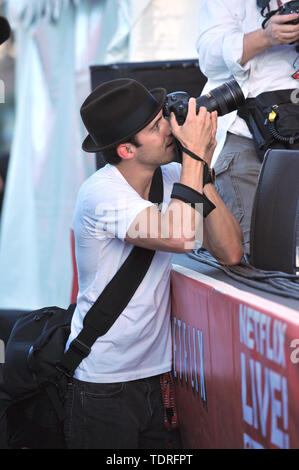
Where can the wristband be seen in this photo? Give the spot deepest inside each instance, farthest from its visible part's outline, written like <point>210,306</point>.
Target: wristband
<point>186,194</point>
<point>208,175</point>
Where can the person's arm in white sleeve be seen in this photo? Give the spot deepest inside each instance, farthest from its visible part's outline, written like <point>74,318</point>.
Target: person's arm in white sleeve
<point>275,33</point>
<point>220,41</point>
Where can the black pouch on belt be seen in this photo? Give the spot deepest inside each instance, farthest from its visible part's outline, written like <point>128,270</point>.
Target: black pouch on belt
<point>273,120</point>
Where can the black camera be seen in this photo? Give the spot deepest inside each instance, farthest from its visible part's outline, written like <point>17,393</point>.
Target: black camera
<point>288,9</point>
<point>223,99</point>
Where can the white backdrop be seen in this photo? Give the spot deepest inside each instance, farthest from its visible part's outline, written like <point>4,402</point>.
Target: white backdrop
<point>164,29</point>
<point>57,41</point>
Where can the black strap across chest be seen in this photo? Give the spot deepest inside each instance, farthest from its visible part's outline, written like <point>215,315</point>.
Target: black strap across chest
<point>115,296</point>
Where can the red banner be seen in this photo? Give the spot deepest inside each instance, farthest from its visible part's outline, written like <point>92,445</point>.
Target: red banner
<point>235,364</point>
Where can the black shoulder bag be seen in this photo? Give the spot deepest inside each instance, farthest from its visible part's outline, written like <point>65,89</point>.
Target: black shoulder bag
<point>273,120</point>
<point>37,368</point>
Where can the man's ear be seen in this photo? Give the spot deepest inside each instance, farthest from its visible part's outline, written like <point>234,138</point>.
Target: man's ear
<point>125,151</point>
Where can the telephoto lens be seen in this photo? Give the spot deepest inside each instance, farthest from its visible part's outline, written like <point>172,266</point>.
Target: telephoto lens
<point>223,99</point>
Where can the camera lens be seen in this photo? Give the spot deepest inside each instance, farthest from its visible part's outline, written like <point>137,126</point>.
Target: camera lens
<point>223,99</point>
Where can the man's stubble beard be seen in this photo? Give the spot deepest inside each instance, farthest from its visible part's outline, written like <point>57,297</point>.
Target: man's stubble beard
<point>160,159</point>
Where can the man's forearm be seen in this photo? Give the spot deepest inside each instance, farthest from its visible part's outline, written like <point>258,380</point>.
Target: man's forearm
<point>190,220</point>
<point>222,234</point>
<point>253,44</point>
<point>278,30</point>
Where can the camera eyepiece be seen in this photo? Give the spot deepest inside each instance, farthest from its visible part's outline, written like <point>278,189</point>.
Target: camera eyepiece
<point>223,99</point>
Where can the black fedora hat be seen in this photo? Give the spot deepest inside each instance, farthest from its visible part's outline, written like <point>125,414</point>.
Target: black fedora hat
<point>116,110</point>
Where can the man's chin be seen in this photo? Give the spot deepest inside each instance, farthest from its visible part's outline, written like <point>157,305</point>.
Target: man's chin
<point>170,156</point>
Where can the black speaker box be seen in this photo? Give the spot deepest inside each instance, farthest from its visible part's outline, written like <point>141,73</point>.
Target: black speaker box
<point>173,75</point>
<point>274,238</point>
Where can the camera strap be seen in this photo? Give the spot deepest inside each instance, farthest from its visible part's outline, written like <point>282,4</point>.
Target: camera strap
<point>193,155</point>
<point>265,4</point>
<point>267,16</point>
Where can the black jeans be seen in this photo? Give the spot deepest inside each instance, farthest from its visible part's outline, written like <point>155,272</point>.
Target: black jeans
<point>124,415</point>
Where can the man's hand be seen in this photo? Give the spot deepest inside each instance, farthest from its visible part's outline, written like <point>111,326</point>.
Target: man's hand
<point>198,132</point>
<point>211,149</point>
<point>278,32</point>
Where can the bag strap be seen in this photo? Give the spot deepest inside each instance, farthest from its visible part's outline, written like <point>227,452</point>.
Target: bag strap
<point>265,4</point>
<point>246,112</point>
<point>115,297</point>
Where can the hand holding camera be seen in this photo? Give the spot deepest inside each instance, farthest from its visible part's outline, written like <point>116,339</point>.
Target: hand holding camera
<point>178,107</point>
<point>198,132</point>
<point>283,26</point>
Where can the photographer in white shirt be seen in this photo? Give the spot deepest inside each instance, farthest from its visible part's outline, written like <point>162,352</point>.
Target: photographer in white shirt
<point>233,44</point>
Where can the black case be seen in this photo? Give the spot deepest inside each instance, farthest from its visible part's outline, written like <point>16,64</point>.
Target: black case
<point>275,216</point>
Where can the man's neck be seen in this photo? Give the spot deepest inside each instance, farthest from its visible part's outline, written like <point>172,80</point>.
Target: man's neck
<point>139,177</point>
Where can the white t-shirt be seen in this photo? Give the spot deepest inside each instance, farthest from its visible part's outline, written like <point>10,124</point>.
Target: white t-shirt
<point>138,344</point>
<point>222,26</point>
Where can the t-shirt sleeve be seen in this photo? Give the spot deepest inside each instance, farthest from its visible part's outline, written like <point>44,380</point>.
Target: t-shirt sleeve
<point>220,40</point>
<point>109,209</point>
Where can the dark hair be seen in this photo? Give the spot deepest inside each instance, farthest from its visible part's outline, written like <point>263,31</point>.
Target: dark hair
<point>111,156</point>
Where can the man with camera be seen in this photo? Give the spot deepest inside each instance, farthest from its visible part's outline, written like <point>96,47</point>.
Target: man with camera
<point>114,400</point>
<point>255,43</point>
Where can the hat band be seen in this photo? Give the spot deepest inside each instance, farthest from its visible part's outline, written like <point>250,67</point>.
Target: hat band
<point>129,126</point>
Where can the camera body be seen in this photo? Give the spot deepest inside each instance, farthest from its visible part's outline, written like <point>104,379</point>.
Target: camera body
<point>289,8</point>
<point>177,103</point>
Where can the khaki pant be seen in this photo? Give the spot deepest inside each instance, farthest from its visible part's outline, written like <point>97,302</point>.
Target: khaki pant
<point>237,169</point>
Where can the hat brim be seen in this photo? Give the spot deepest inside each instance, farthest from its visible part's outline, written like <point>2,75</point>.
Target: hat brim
<point>159,94</point>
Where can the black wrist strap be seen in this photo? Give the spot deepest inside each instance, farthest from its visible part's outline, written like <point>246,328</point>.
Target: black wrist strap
<point>186,194</point>
<point>193,155</point>
<point>207,176</point>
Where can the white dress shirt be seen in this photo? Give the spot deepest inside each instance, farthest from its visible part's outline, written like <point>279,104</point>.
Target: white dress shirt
<point>222,26</point>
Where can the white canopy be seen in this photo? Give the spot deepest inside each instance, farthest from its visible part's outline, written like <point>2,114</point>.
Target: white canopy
<point>57,41</point>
